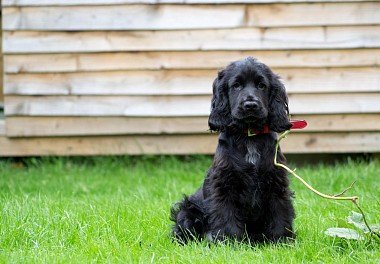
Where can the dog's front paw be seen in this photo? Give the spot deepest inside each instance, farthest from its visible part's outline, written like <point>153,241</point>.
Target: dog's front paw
<point>216,236</point>
<point>187,230</point>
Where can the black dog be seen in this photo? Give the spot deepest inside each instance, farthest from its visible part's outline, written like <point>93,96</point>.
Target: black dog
<point>244,196</point>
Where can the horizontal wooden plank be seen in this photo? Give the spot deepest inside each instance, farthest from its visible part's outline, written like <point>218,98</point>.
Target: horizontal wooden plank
<point>181,82</point>
<point>131,145</point>
<point>132,83</point>
<point>177,105</point>
<point>40,63</point>
<point>223,39</point>
<point>90,126</point>
<point>108,105</point>
<point>316,14</point>
<point>181,144</point>
<point>85,126</point>
<point>123,17</point>
<point>331,80</point>
<point>149,17</point>
<point>109,2</point>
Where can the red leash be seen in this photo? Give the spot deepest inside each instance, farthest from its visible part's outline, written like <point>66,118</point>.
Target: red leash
<point>296,124</point>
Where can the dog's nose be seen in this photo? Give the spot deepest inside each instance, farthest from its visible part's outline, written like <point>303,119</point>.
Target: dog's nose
<point>251,105</point>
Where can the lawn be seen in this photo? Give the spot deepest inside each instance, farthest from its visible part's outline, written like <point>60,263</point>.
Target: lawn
<point>116,210</point>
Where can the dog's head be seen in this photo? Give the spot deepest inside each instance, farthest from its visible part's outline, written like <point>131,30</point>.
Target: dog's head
<point>249,94</point>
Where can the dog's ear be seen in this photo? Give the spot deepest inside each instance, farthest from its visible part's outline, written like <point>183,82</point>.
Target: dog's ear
<point>278,119</point>
<point>220,115</point>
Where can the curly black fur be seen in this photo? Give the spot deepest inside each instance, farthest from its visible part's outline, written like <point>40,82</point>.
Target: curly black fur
<point>244,196</point>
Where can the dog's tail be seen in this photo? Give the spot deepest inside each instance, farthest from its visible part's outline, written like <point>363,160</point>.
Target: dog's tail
<point>189,221</point>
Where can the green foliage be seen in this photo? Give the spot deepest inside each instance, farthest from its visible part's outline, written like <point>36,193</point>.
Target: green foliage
<point>343,232</point>
<point>116,210</point>
<point>361,231</point>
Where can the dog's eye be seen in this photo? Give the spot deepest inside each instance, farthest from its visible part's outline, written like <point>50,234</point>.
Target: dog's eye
<point>236,85</point>
<point>262,86</point>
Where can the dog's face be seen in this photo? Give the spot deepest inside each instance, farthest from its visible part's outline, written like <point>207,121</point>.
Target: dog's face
<point>248,93</point>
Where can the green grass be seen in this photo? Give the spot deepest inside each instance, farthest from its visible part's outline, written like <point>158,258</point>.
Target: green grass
<point>116,210</point>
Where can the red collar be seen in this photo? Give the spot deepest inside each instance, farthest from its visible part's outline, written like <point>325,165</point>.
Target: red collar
<point>296,124</point>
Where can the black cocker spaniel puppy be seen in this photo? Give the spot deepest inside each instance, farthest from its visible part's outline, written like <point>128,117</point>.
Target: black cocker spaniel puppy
<point>244,196</point>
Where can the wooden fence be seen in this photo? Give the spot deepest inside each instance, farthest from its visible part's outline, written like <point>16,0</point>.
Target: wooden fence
<point>134,76</point>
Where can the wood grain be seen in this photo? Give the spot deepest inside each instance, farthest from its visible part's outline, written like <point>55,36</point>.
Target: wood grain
<point>83,62</point>
<point>159,17</point>
<point>186,82</point>
<point>190,40</point>
<point>123,17</point>
<point>181,144</point>
<point>316,14</point>
<point>89,126</point>
<point>190,105</point>
<point>109,2</point>
<point>134,76</point>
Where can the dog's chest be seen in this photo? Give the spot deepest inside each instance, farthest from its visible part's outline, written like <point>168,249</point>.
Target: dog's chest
<point>253,155</point>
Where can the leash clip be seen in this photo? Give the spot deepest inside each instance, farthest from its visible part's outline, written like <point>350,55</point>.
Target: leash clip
<point>251,133</point>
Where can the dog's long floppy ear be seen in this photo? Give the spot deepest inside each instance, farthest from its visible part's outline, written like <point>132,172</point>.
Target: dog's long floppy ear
<point>220,115</point>
<point>278,119</point>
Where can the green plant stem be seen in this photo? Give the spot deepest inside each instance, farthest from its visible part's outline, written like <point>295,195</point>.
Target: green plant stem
<point>345,190</point>
<point>282,136</point>
<point>353,199</point>
<point>365,220</point>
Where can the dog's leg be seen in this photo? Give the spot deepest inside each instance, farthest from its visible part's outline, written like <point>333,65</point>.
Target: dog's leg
<point>223,200</point>
<point>225,222</point>
<point>188,216</point>
<point>281,214</point>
